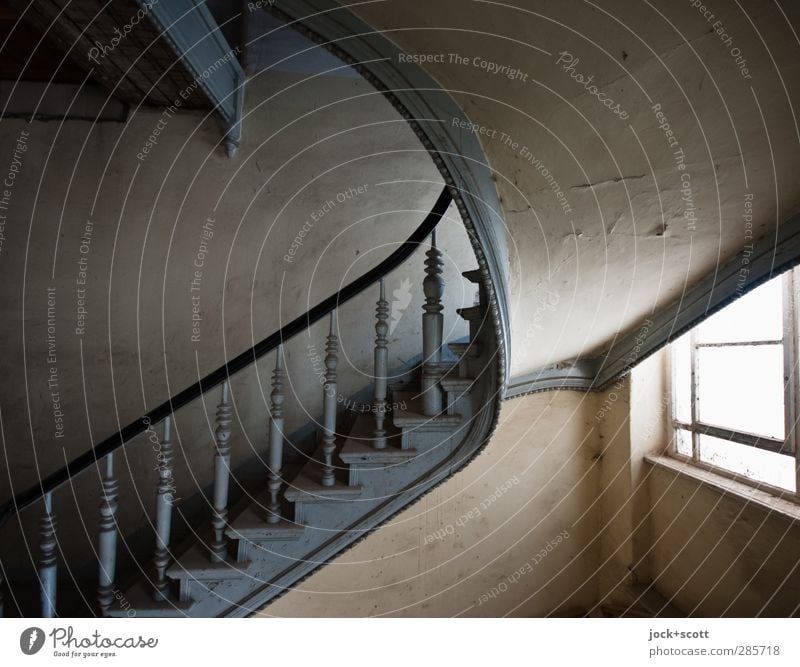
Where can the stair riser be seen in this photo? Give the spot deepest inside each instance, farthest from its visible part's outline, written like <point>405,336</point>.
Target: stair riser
<point>370,475</point>
<point>458,402</point>
<point>425,439</point>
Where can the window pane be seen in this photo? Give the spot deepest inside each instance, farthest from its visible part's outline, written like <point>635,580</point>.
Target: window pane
<point>774,469</point>
<point>681,379</point>
<point>683,442</point>
<point>741,388</point>
<point>758,315</point>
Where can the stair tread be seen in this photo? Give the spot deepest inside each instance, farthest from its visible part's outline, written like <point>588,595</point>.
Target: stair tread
<point>402,386</point>
<point>401,393</point>
<point>253,527</point>
<point>460,349</point>
<point>196,564</point>
<point>457,383</point>
<point>473,275</point>
<point>414,416</point>
<point>139,598</point>
<point>364,429</point>
<point>472,312</point>
<point>358,451</point>
<point>307,489</point>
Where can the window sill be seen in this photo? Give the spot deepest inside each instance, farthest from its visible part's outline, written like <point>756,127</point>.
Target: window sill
<point>730,487</point>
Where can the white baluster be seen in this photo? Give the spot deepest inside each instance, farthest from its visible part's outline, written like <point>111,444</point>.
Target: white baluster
<point>329,406</point>
<point>107,537</point>
<point>48,561</point>
<point>432,326</point>
<point>381,367</point>
<point>222,465</point>
<point>276,438</point>
<point>164,499</point>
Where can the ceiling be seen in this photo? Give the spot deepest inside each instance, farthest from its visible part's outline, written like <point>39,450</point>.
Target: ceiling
<point>73,40</point>
<point>610,215</point>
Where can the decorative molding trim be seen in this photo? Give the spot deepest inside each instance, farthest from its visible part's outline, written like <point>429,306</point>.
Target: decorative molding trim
<point>577,375</point>
<point>752,266</point>
<point>194,35</point>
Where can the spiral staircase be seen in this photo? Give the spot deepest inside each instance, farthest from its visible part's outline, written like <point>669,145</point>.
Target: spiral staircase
<point>422,423</point>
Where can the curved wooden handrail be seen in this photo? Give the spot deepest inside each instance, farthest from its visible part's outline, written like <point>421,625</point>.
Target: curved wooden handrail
<point>91,456</point>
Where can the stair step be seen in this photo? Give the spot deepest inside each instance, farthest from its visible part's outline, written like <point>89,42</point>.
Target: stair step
<point>251,526</point>
<point>357,452</point>
<point>474,276</point>
<point>307,489</point>
<point>457,384</point>
<point>251,530</point>
<point>405,387</point>
<point>363,429</point>
<point>472,313</point>
<point>139,600</point>
<point>456,388</point>
<point>471,349</point>
<point>414,416</point>
<point>196,564</point>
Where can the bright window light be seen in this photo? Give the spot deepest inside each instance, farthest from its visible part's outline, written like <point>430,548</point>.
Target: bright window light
<point>735,388</point>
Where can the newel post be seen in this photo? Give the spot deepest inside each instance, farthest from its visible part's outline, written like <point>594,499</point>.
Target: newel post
<point>48,561</point>
<point>381,367</point>
<point>107,537</point>
<point>329,405</point>
<point>432,330</point>
<point>164,499</point>
<point>222,465</point>
<point>277,398</point>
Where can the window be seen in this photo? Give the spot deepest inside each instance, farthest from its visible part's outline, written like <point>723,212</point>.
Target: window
<point>735,388</point>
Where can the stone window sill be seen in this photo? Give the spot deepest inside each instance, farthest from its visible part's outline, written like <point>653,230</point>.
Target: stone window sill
<point>729,487</point>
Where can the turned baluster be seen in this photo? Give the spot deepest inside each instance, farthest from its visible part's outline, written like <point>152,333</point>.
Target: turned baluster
<point>432,326</point>
<point>222,464</point>
<point>329,406</point>
<point>47,559</point>
<point>381,367</point>
<point>107,537</point>
<point>164,499</point>
<point>276,438</point>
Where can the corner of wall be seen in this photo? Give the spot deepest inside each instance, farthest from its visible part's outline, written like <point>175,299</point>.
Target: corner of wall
<point>633,422</point>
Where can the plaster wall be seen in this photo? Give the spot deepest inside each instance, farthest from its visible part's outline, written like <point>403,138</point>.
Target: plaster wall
<point>633,420</point>
<point>472,546</point>
<point>108,259</point>
<point>609,216</point>
<point>706,549</point>
<point>714,554</point>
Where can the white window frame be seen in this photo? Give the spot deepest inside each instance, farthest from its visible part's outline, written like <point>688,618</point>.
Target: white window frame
<point>788,446</point>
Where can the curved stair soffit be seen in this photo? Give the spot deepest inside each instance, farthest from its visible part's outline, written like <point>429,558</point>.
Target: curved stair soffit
<point>754,265</point>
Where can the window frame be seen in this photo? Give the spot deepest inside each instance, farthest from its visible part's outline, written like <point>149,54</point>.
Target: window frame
<point>789,445</point>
